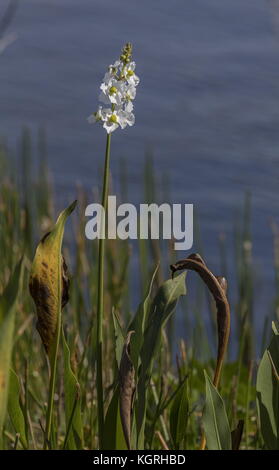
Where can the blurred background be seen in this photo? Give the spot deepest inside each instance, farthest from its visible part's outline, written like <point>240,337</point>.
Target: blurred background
<point>207,111</point>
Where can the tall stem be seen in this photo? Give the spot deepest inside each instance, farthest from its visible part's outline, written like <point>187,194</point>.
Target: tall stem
<point>53,368</point>
<point>100,307</point>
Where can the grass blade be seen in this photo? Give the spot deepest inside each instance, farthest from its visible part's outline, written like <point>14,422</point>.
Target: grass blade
<point>6,346</point>
<point>216,425</point>
<point>113,432</point>
<point>72,403</point>
<point>15,411</point>
<point>6,341</point>
<point>268,394</point>
<point>179,416</point>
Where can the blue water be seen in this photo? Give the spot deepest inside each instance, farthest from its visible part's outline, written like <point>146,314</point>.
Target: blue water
<point>207,104</point>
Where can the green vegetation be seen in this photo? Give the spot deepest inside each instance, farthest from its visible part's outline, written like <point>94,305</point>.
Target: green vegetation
<point>159,390</point>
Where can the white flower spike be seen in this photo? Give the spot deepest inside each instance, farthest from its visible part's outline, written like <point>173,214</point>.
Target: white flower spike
<point>118,89</point>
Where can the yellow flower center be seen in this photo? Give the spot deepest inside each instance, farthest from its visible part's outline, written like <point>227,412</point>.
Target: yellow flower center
<point>112,90</point>
<point>130,73</point>
<point>113,118</point>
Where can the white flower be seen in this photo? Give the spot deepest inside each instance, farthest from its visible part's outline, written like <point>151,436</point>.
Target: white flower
<point>129,73</point>
<point>114,69</point>
<point>112,119</point>
<point>126,117</point>
<point>129,92</point>
<point>95,117</point>
<point>112,91</point>
<point>108,76</point>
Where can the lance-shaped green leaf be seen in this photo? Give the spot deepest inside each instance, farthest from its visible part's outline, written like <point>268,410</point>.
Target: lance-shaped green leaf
<point>14,408</point>
<point>49,283</point>
<point>179,416</point>
<point>138,325</point>
<point>113,431</point>
<point>215,420</point>
<point>6,346</point>
<point>268,393</point>
<point>160,311</point>
<point>74,428</point>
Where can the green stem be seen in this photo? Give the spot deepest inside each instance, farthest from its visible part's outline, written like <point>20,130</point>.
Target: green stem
<point>100,307</point>
<point>53,368</point>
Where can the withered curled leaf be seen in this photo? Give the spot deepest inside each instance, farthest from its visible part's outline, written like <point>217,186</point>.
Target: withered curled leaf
<point>217,285</point>
<point>49,283</point>
<point>127,389</point>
